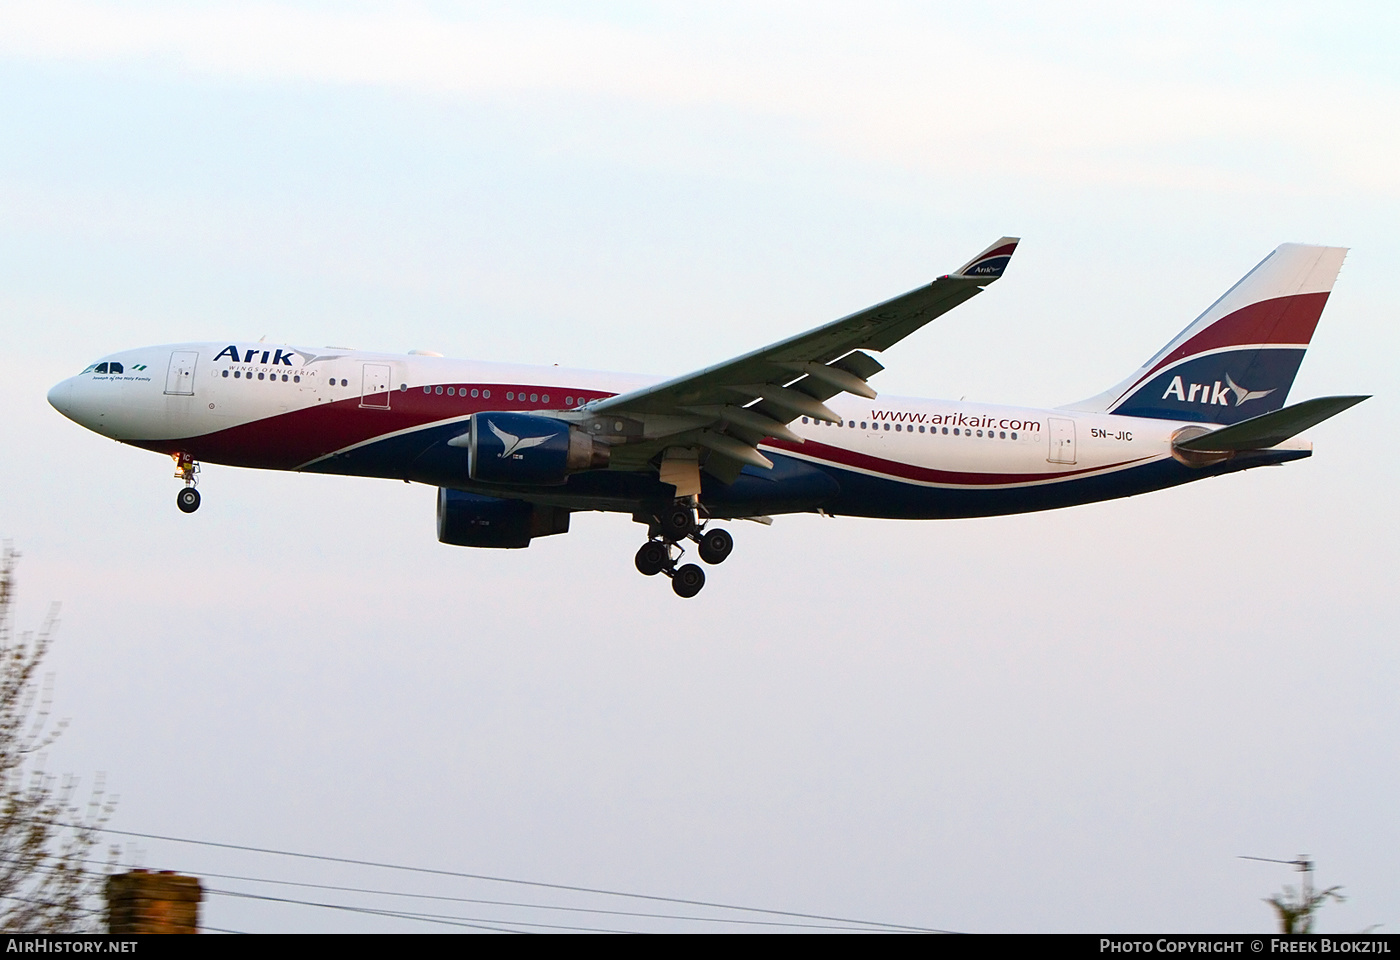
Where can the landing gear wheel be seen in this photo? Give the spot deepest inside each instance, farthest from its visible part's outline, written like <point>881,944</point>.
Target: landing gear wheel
<point>716,545</point>
<point>187,500</point>
<point>677,522</point>
<point>688,580</point>
<point>652,558</point>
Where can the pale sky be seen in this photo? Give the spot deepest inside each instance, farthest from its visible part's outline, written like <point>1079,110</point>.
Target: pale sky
<point>1070,721</point>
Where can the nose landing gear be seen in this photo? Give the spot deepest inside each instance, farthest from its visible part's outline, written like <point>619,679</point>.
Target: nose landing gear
<point>668,527</point>
<point>186,469</point>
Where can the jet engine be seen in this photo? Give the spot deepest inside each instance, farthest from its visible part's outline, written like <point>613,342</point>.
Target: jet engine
<point>524,448</point>
<point>1195,458</point>
<point>469,520</point>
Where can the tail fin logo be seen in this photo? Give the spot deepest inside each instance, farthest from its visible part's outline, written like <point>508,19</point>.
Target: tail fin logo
<point>1217,393</point>
<point>1242,394</point>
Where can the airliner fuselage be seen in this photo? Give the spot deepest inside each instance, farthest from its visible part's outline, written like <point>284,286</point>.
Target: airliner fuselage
<point>793,427</point>
<point>380,415</point>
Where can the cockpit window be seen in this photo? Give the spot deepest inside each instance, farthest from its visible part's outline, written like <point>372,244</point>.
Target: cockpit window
<point>101,368</point>
<point>115,367</point>
<point>90,368</point>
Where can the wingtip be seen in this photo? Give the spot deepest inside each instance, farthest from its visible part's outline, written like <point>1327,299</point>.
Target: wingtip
<point>991,262</point>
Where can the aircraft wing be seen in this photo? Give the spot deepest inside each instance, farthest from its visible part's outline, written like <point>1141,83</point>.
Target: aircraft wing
<point>729,408</point>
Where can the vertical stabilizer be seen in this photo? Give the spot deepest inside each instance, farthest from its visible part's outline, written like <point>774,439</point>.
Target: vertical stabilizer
<point>1238,359</point>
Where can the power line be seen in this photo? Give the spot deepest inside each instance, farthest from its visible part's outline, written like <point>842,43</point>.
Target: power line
<point>478,923</point>
<point>533,906</point>
<point>506,903</point>
<point>532,883</point>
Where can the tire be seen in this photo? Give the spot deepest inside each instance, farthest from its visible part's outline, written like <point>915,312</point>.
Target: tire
<point>187,500</point>
<point>652,558</point>
<point>676,522</point>
<point>716,545</point>
<point>688,580</point>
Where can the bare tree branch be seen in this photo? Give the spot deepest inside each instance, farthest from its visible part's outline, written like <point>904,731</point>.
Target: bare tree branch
<point>45,886</point>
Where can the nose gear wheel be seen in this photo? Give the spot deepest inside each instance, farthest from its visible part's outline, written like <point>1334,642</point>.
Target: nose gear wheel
<point>187,469</point>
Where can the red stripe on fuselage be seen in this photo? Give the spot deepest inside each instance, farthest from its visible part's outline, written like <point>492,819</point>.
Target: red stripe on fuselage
<point>909,471</point>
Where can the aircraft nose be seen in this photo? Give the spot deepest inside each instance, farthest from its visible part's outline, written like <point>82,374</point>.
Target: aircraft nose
<point>61,398</point>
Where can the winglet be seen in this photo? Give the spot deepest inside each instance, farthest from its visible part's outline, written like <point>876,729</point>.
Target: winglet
<point>991,262</point>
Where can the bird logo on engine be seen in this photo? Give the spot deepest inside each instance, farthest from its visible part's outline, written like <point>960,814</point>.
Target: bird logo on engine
<point>513,443</point>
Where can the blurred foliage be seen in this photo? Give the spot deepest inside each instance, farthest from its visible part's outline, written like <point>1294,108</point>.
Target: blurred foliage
<point>1297,909</point>
<point>47,884</point>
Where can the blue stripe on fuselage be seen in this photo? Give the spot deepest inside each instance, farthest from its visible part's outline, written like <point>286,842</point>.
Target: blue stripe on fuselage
<point>864,495</point>
<point>794,485</point>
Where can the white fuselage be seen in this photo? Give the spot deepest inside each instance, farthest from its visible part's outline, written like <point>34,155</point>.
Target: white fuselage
<point>287,408</point>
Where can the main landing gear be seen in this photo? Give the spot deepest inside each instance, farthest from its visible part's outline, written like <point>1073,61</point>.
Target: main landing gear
<point>660,553</point>
<point>186,469</point>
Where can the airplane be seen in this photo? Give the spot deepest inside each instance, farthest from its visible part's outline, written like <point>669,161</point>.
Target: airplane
<point>794,427</point>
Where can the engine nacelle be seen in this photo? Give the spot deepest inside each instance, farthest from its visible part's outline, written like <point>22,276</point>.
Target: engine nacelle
<point>469,520</point>
<point>523,448</point>
<point>1195,458</point>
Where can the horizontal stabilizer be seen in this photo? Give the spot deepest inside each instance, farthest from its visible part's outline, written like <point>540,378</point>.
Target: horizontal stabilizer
<point>1271,429</point>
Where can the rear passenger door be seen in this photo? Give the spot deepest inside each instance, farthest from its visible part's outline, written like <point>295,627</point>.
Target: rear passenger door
<point>1061,441</point>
